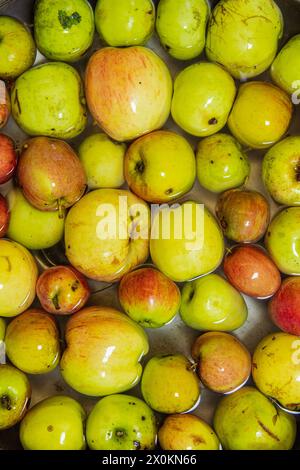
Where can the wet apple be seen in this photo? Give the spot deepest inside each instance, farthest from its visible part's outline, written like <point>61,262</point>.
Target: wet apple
<point>8,158</point>
<point>4,104</point>
<point>4,216</point>
<point>284,308</point>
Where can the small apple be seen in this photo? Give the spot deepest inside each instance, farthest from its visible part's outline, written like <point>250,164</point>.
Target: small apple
<point>15,393</point>
<point>284,308</point>
<point>32,342</point>
<point>8,158</point>
<point>121,422</point>
<point>149,297</point>
<point>5,105</point>
<point>170,385</point>
<point>285,68</point>
<point>2,329</point>
<point>4,216</point>
<point>62,290</point>
<point>103,161</point>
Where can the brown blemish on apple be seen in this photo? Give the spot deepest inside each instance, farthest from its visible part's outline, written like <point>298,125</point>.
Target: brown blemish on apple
<point>213,121</point>
<point>267,430</point>
<point>50,428</point>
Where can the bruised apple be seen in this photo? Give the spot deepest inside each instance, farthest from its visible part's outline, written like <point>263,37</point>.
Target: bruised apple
<point>8,158</point>
<point>284,308</point>
<point>4,104</point>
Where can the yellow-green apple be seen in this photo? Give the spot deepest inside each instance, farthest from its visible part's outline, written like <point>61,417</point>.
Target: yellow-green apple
<point>32,342</point>
<point>104,349</point>
<point>286,66</point>
<point>247,420</point>
<point>62,290</point>
<point>128,91</point>
<point>212,304</point>
<point>203,97</point>
<point>250,270</point>
<point>160,166</point>
<point>8,158</point>
<point>4,216</point>
<point>18,275</point>
<point>107,234</point>
<point>187,432</point>
<point>284,308</point>
<point>2,329</point>
<point>149,297</point>
<point>5,105</point>
<point>15,393</point>
<point>33,228</point>
<point>276,369</point>
<point>103,161</point>
<point>186,241</point>
<point>56,423</point>
<point>121,422</point>
<point>170,385</point>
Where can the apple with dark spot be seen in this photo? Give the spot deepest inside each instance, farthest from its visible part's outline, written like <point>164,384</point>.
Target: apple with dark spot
<point>8,158</point>
<point>4,216</point>
<point>284,308</point>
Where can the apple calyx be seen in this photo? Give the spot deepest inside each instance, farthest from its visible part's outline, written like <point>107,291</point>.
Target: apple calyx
<point>5,402</point>
<point>140,167</point>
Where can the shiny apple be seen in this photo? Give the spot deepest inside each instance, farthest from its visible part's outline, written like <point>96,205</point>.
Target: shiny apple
<point>284,308</point>
<point>4,216</point>
<point>4,104</point>
<point>8,158</point>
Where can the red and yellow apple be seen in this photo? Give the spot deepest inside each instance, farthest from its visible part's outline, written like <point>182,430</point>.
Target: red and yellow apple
<point>284,308</point>
<point>4,216</point>
<point>8,158</point>
<point>4,104</point>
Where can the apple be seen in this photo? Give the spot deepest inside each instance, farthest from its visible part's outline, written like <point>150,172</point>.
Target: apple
<point>2,329</point>
<point>243,36</point>
<point>170,385</point>
<point>250,270</point>
<point>62,290</point>
<point>4,216</point>
<point>103,353</point>
<point>17,48</point>
<point>276,369</point>
<point>56,423</point>
<point>285,68</point>
<point>160,166</point>
<point>282,240</point>
<point>128,91</point>
<point>247,420</point>
<point>50,174</point>
<point>125,22</point>
<point>18,275</point>
<point>103,161</point>
<point>121,422</point>
<point>149,297</point>
<point>8,158</point>
<point>211,303</point>
<point>284,308</point>
<point>32,342</point>
<point>15,393</point>
<point>281,171</point>
<point>244,215</point>
<point>5,105</point>
<point>65,30</point>
<point>34,229</point>
<point>203,97</point>
<point>186,241</point>
<point>106,234</point>
<point>187,432</point>
<point>181,27</point>
<point>261,114</point>
<point>49,100</point>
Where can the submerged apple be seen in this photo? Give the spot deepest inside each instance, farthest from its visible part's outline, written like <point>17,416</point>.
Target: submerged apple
<point>4,216</point>
<point>286,66</point>
<point>284,308</point>
<point>4,104</point>
<point>8,158</point>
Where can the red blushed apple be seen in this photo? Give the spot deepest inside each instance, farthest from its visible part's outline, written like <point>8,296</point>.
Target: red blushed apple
<point>4,216</point>
<point>4,104</point>
<point>8,158</point>
<point>149,297</point>
<point>62,290</point>
<point>284,308</point>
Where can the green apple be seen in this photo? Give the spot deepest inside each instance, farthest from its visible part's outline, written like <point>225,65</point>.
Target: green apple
<point>49,100</point>
<point>286,66</point>
<point>221,163</point>
<point>203,97</point>
<point>103,161</point>
<point>31,227</point>
<point>281,171</point>
<point>17,48</point>
<point>160,166</point>
<point>283,240</point>
<point>56,423</point>
<point>181,27</point>
<point>125,22</point>
<point>15,393</point>
<point>2,329</point>
<point>121,422</point>
<point>63,29</point>
<point>212,304</point>
<point>247,420</point>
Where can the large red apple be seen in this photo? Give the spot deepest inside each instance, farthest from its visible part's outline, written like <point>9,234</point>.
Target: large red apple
<point>4,216</point>
<point>8,158</point>
<point>284,308</point>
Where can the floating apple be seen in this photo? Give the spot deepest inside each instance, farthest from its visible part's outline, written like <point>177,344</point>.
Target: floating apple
<point>103,351</point>
<point>121,422</point>
<point>2,329</point>
<point>4,216</point>
<point>32,342</point>
<point>128,91</point>
<point>284,308</point>
<point>285,68</point>
<point>4,104</point>
<point>149,297</point>
<point>160,166</point>
<point>8,158</point>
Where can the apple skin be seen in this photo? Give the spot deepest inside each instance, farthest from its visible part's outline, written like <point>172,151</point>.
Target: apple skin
<point>32,342</point>
<point>160,166</point>
<point>121,422</point>
<point>15,394</point>
<point>4,216</point>
<point>5,106</point>
<point>250,270</point>
<point>247,420</point>
<point>8,160</point>
<point>169,384</point>
<point>149,297</point>
<point>187,432</point>
<point>244,215</point>
<point>128,91</point>
<point>56,423</point>
<point>284,308</point>
<point>103,351</point>
<point>285,68</point>
<point>2,329</point>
